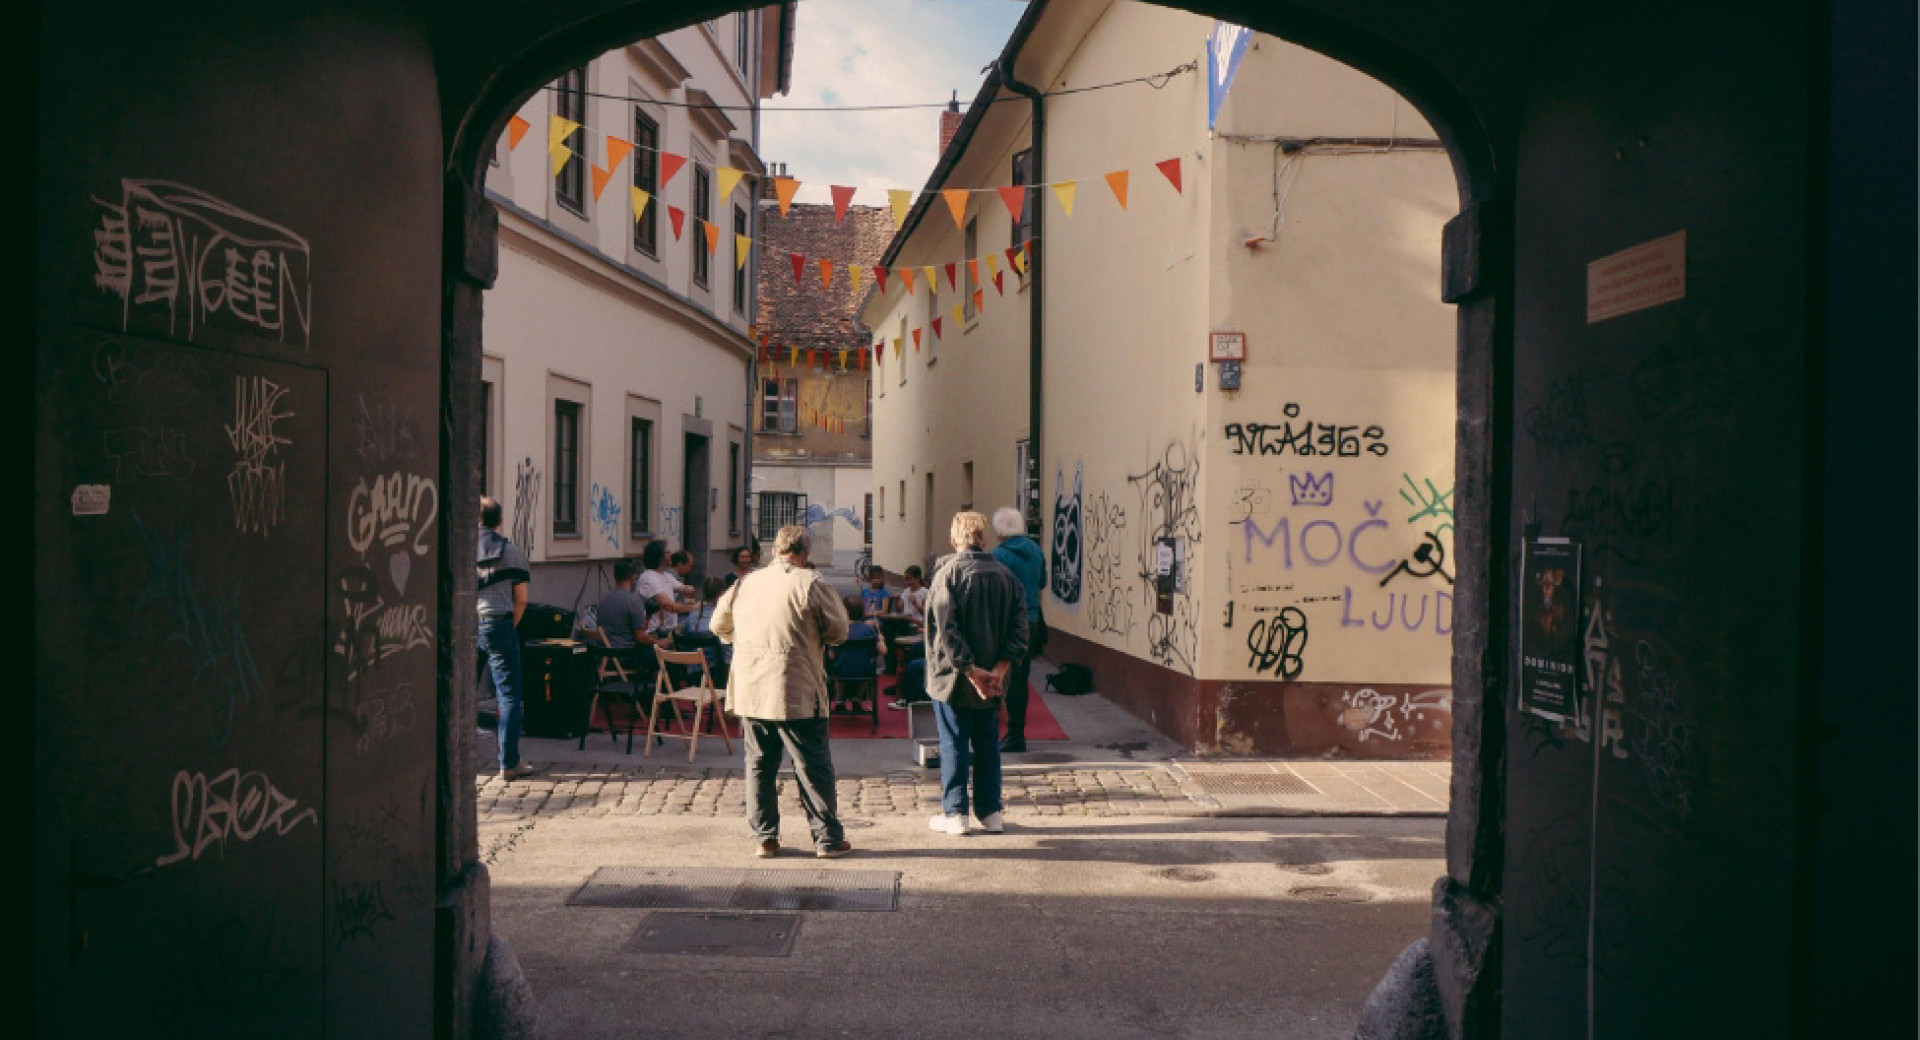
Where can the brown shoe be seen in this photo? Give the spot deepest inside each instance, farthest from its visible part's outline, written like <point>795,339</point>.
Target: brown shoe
<point>835,850</point>
<point>768,849</point>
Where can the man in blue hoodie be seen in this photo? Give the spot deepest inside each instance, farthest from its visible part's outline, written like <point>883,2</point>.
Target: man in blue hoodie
<point>1022,556</point>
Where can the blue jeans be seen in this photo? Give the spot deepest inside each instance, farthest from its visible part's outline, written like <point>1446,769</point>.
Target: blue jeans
<point>500,641</point>
<point>969,748</point>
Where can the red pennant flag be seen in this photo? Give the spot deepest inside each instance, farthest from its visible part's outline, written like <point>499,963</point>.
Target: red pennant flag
<point>880,275</point>
<point>799,263</point>
<point>1012,252</point>
<point>678,218</point>
<point>809,357</point>
<point>842,197</point>
<point>669,165</point>
<point>880,348</point>
<point>1016,199</point>
<point>1171,167</point>
<point>936,326</point>
<point>952,283</point>
<point>916,340</point>
<point>1030,244</point>
<point>516,129</point>
<point>1000,282</point>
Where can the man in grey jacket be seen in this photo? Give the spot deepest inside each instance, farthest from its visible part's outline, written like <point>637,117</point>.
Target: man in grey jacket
<point>976,631</point>
<point>779,619</point>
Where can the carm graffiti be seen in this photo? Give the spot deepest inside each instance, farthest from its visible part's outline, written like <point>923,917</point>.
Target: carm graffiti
<point>233,805</point>
<point>394,510</point>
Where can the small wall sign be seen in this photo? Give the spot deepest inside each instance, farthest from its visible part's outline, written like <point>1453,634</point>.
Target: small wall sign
<point>1229,375</point>
<point>1227,346</point>
<point>1647,275</point>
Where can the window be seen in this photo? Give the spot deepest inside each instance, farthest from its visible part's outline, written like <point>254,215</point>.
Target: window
<point>778,509</point>
<point>933,312</point>
<point>905,345</point>
<point>883,504</point>
<point>566,467</point>
<point>779,406</point>
<point>733,487</point>
<point>867,530</point>
<point>1023,174</point>
<point>570,184</point>
<point>973,258</point>
<point>702,211</point>
<point>900,506</point>
<point>639,477</point>
<point>966,485</point>
<point>742,42</point>
<point>486,431</point>
<point>646,177</point>
<point>1026,485</point>
<point>867,429</point>
<point>739,269</point>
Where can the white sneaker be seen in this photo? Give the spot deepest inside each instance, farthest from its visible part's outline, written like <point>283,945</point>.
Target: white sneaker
<point>993,824</point>
<point>954,825</point>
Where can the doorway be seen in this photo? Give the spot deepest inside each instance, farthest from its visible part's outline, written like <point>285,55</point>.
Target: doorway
<point>694,501</point>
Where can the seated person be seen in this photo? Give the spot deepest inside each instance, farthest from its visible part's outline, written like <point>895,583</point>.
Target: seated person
<point>623,620</point>
<point>874,598</point>
<point>913,599</point>
<point>699,625</point>
<point>847,661</point>
<point>663,585</point>
<point>911,687</point>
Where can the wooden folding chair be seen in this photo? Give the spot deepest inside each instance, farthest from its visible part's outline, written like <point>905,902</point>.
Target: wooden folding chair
<point>615,680</point>
<point>701,695</point>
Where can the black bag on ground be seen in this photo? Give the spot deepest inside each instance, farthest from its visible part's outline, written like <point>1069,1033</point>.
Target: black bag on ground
<point>1072,680</point>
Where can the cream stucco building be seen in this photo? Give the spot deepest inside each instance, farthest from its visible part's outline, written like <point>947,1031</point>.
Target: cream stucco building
<point>1260,569</point>
<point>618,366</point>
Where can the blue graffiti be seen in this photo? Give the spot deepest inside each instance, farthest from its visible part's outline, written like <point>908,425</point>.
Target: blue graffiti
<point>206,623</point>
<point>817,514</point>
<point>606,513</point>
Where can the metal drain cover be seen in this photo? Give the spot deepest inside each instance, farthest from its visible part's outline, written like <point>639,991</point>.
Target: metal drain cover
<point>1252,783</point>
<point>694,888</point>
<point>715,935</point>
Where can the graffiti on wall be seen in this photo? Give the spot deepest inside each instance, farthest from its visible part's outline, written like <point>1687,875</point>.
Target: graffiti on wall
<point>205,622</point>
<point>526,501</point>
<point>669,519</point>
<point>210,813</point>
<point>1106,586</point>
<point>1064,566</point>
<point>1371,715</point>
<point>257,484</point>
<point>1169,536</point>
<point>1305,438</point>
<point>604,507</point>
<point>818,514</point>
<point>1277,642</point>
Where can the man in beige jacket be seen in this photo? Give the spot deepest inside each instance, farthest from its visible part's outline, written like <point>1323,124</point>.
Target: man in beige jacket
<point>779,620</point>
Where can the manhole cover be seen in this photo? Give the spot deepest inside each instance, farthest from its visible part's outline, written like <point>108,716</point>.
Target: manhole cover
<point>715,935</point>
<point>1038,758</point>
<point>1328,894</point>
<point>1314,869</point>
<point>851,890</point>
<point>1190,874</point>
<point>1252,783</point>
<point>668,888</point>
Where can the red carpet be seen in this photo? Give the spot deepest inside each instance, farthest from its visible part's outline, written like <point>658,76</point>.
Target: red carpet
<point>1041,725</point>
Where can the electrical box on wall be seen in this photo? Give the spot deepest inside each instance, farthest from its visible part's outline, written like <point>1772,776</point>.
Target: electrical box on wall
<point>1229,375</point>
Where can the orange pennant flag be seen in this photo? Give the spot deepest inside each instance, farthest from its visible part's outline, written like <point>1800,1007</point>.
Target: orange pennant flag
<point>906,275</point>
<point>617,151</point>
<point>1015,197</point>
<point>957,205</point>
<point>842,198</point>
<point>1117,180</point>
<point>979,299</point>
<point>600,179</point>
<point>973,272</point>
<point>712,231</point>
<point>826,273</point>
<point>1171,167</point>
<point>516,129</point>
<point>783,189</point>
<point>916,340</point>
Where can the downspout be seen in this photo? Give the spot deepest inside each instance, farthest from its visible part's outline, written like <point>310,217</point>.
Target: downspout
<point>1036,313</point>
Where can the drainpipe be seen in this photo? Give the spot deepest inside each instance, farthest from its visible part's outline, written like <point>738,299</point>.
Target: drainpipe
<point>1036,313</point>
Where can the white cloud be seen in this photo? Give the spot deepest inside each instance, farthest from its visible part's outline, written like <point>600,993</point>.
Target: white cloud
<point>878,52</point>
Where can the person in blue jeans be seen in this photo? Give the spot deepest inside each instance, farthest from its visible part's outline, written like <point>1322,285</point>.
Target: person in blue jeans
<point>502,573</point>
<point>976,632</point>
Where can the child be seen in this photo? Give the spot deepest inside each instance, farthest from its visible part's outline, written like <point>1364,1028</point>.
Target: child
<point>874,598</point>
<point>857,662</point>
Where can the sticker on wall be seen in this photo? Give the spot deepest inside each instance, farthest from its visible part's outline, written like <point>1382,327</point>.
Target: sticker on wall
<point>92,499</point>
<point>1549,627</point>
<point>1647,275</point>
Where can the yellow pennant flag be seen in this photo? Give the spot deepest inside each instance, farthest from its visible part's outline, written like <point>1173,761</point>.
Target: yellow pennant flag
<point>957,203</point>
<point>741,244</point>
<point>958,316</point>
<point>640,200</point>
<point>783,189</point>
<point>843,358</point>
<point>902,201</point>
<point>712,231</point>
<point>993,266</point>
<point>729,180</point>
<point>558,130</point>
<point>933,283</point>
<point>1064,192</point>
<point>897,341</point>
<point>853,275</point>
<point>1117,180</point>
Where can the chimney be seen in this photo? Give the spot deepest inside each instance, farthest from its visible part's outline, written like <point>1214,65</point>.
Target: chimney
<point>766,183</point>
<point>949,122</point>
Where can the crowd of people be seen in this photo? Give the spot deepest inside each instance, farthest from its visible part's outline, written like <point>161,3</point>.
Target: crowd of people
<point>789,651</point>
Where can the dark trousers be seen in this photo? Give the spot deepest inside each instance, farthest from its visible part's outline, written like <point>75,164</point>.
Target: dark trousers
<point>1017,677</point>
<point>806,741</point>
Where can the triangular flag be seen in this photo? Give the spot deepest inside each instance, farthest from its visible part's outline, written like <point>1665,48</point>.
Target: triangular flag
<point>936,326</point>
<point>558,130</point>
<point>880,349</point>
<point>783,189</point>
<point>669,165</point>
<point>640,200</point>
<point>933,284</point>
<point>516,129</point>
<point>1016,199</point>
<point>973,272</point>
<point>952,279</point>
<point>600,178</point>
<point>1000,282</point>
<point>741,245</point>
<point>957,204</point>
<point>902,201</point>
<point>678,218</point>
<point>897,345</point>
<point>1171,167</point>
<point>826,273</point>
<point>1029,249</point>
<point>712,231</point>
<point>842,198</point>
<point>958,318</point>
<point>798,262</point>
<point>1064,192</point>
<point>1117,180</point>
<point>617,151</point>
<point>843,359</point>
<point>729,180</point>
<point>979,299</point>
<point>906,275</point>
<point>916,341</point>
<point>993,265</point>
<point>1013,257</point>
<point>853,275</point>
<point>880,277</point>
<point>810,360</point>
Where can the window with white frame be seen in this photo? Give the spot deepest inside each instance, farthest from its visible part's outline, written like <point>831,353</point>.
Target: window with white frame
<point>780,405</point>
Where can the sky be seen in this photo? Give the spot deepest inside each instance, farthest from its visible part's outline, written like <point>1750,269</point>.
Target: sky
<point>868,52</point>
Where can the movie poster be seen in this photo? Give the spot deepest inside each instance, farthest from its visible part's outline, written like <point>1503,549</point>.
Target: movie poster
<point>1549,629</point>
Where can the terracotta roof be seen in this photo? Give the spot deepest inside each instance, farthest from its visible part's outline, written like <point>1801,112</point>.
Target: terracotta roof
<point>805,314</point>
